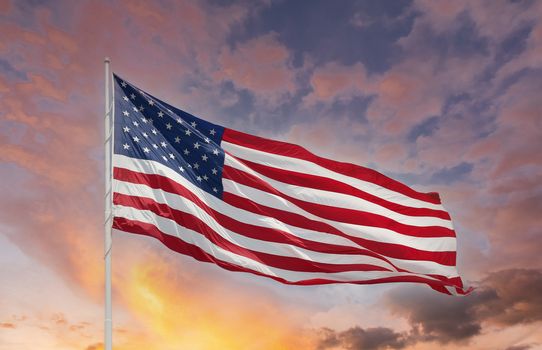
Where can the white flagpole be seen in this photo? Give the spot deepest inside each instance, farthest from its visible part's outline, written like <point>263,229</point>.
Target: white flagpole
<point>108,323</point>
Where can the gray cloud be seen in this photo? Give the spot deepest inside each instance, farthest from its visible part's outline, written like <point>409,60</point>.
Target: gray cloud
<point>359,338</point>
<point>518,298</point>
<point>439,317</point>
<point>506,297</point>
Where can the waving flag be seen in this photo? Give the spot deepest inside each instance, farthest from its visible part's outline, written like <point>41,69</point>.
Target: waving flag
<point>270,208</point>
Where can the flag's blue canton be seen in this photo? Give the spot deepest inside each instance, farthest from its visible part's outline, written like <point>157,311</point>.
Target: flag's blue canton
<point>148,128</point>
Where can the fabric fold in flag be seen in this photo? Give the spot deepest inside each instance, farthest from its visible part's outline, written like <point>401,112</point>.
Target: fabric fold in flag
<point>270,208</point>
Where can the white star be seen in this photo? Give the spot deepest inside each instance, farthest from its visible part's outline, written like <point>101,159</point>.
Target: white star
<point>187,132</point>
<point>144,120</point>
<point>186,152</point>
<point>215,152</point>
<point>165,158</point>
<point>135,109</point>
<point>198,178</point>
<point>132,96</point>
<point>141,108</point>
<point>171,156</point>
<point>151,103</point>
<point>169,110</point>
<point>214,189</point>
<point>155,146</point>
<point>154,131</point>
<point>214,171</point>
<point>150,120</point>
<point>181,169</point>
<point>135,123</point>
<point>177,139</point>
<point>196,145</point>
<point>126,129</point>
<point>196,166</point>
<point>145,135</point>
<point>179,120</point>
<point>205,177</point>
<point>126,146</point>
<point>207,140</point>
<point>212,132</point>
<point>190,166</point>
<point>168,126</point>
<point>126,113</point>
<point>163,144</point>
<point>193,124</point>
<point>136,139</point>
<point>160,114</point>
<point>123,84</point>
<point>146,150</point>
<point>125,98</point>
<point>204,157</point>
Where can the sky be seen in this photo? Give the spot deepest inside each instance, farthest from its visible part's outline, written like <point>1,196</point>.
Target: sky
<point>442,95</point>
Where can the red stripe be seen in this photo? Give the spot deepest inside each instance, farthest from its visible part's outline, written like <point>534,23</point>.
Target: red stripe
<point>175,244</point>
<point>253,231</point>
<point>327,184</point>
<point>380,249</point>
<point>194,223</point>
<point>351,216</point>
<point>391,250</point>
<point>348,169</point>
<point>248,230</point>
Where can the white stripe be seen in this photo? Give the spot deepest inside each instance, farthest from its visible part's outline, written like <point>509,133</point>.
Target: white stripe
<point>274,248</point>
<point>151,167</point>
<point>192,237</point>
<point>430,244</point>
<point>304,166</point>
<point>377,234</point>
<point>185,205</point>
<point>339,200</point>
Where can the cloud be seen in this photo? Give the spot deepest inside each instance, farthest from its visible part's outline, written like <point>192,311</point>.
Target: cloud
<point>505,297</point>
<point>493,20</point>
<point>518,299</point>
<point>440,319</point>
<point>95,346</point>
<point>8,325</point>
<point>416,89</point>
<point>262,65</point>
<point>359,338</point>
<point>519,347</point>
<point>45,330</point>
<point>334,81</point>
<point>39,85</point>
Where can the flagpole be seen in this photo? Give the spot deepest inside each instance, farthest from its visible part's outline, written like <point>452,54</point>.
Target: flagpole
<point>108,323</point>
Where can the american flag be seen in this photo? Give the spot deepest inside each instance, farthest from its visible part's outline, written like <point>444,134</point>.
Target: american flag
<point>270,208</point>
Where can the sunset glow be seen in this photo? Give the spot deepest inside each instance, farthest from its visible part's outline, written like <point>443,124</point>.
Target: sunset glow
<point>443,96</point>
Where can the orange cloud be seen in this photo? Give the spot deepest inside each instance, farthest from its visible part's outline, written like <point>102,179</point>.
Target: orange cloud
<point>261,65</point>
<point>5,6</point>
<point>8,325</point>
<point>334,81</point>
<point>3,85</point>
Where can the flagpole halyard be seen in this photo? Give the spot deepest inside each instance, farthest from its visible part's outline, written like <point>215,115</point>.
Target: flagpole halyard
<point>108,324</point>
